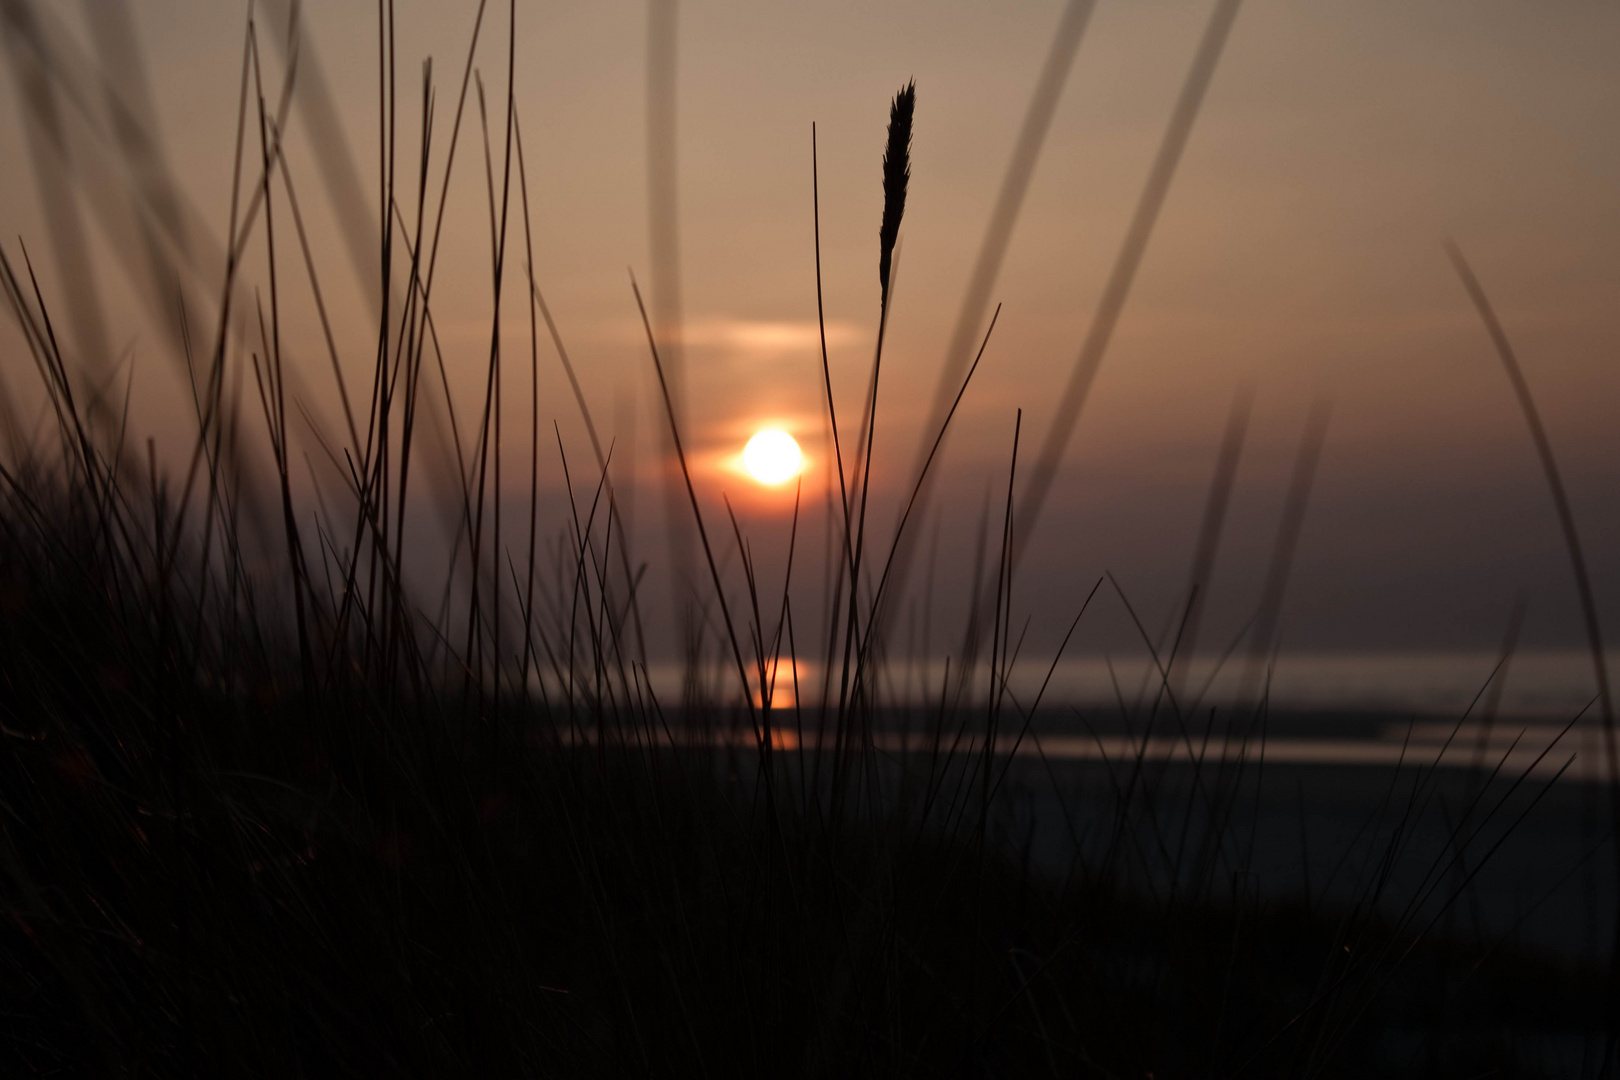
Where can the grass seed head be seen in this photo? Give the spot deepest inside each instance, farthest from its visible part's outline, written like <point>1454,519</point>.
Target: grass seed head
<point>896,173</point>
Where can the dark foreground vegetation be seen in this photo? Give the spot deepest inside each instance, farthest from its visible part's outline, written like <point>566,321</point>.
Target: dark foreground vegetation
<point>213,869</point>
<point>268,806</point>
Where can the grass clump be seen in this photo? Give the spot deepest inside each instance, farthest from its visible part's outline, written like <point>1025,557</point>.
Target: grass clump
<point>264,809</point>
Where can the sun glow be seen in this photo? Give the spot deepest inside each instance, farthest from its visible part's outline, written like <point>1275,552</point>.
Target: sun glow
<point>772,456</point>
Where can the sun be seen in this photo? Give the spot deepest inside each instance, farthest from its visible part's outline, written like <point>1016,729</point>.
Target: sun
<point>772,456</point>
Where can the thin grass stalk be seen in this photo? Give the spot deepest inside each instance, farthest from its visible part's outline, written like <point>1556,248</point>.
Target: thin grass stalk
<point>1583,587</point>
<point>1281,564</point>
<point>491,425</point>
<point>1209,533</point>
<point>596,446</point>
<point>278,383</point>
<point>896,177</point>
<point>697,513</point>
<point>1112,302</point>
<point>846,551</point>
<point>413,322</point>
<point>534,419</point>
<point>880,594</point>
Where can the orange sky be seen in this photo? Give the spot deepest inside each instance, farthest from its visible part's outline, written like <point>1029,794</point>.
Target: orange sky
<point>1299,250</point>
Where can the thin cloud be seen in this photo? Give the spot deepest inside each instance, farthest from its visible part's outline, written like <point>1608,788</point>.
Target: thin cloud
<point>767,336</point>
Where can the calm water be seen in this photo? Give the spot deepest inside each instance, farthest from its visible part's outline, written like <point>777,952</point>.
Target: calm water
<point>1496,832</point>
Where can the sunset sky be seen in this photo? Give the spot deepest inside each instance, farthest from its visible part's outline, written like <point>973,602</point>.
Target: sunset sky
<point>1299,252</point>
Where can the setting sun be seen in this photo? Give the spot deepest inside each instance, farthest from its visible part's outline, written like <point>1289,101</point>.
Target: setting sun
<point>772,456</point>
